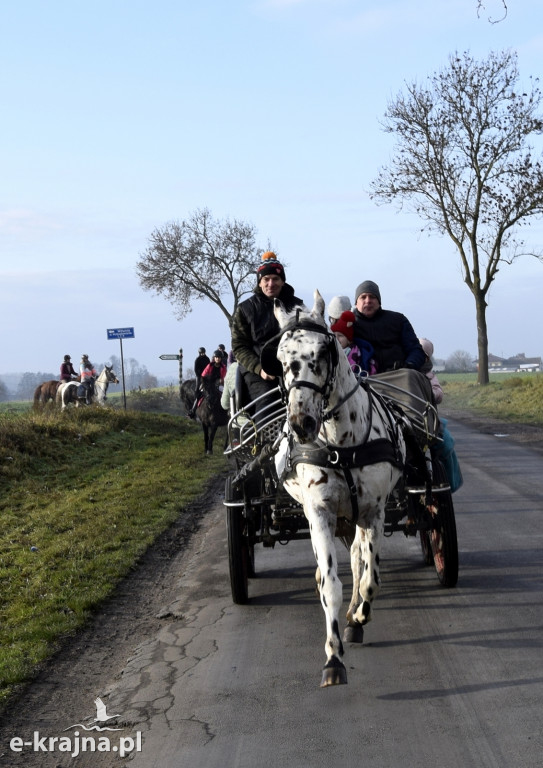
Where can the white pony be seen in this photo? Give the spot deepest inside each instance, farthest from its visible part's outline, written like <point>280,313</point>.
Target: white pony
<point>67,391</point>
<point>342,456</point>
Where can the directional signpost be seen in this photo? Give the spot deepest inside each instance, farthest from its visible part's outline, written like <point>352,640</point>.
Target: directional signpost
<point>121,333</point>
<point>180,358</point>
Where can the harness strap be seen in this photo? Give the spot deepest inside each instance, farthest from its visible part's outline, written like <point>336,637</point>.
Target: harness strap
<point>355,457</point>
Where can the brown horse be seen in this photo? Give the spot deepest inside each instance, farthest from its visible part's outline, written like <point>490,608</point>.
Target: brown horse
<point>45,392</point>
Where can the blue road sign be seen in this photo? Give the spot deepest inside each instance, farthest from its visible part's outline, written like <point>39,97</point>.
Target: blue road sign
<point>120,333</point>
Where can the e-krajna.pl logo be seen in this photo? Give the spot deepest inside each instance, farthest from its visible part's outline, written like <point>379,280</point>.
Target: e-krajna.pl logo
<point>76,742</point>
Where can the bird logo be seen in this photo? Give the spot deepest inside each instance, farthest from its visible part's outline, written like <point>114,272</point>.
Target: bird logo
<point>101,717</point>
<point>101,714</point>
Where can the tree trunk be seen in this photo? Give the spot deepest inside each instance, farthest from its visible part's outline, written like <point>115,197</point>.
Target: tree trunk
<point>482,339</point>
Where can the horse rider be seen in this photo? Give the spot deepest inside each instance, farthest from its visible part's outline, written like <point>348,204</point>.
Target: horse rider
<point>67,371</point>
<point>224,353</point>
<point>215,371</point>
<point>254,323</point>
<point>199,366</point>
<point>88,374</point>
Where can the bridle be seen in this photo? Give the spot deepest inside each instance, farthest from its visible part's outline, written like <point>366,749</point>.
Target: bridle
<point>331,368</point>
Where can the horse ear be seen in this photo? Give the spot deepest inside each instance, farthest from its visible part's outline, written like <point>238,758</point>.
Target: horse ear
<point>280,313</point>
<point>318,306</point>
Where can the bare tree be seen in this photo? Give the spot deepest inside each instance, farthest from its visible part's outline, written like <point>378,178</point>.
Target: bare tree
<point>459,362</point>
<point>465,166</point>
<point>481,6</point>
<point>200,258</point>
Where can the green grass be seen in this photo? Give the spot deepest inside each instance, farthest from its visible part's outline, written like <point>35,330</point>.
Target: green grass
<point>511,397</point>
<point>82,496</point>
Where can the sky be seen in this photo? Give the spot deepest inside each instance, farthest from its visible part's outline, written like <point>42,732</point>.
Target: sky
<point>122,115</point>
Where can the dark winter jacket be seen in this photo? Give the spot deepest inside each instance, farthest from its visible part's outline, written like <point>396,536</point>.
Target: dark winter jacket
<point>254,324</point>
<point>393,339</point>
<point>199,366</point>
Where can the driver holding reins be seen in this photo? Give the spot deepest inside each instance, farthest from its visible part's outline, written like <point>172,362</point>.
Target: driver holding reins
<point>254,323</point>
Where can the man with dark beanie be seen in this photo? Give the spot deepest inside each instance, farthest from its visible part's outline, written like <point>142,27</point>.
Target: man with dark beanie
<point>254,323</point>
<point>391,335</point>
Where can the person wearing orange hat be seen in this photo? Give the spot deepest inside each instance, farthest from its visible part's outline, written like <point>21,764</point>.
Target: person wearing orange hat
<point>254,323</point>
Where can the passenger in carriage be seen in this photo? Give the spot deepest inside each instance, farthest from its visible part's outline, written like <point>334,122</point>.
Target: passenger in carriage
<point>391,335</point>
<point>428,370</point>
<point>254,323</point>
<point>359,357</point>
<point>444,448</point>
<point>336,306</point>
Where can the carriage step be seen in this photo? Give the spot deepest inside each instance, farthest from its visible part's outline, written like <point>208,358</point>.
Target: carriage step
<point>435,489</point>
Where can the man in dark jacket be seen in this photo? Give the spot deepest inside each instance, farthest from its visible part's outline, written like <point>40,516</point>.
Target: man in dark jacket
<point>395,343</point>
<point>254,323</point>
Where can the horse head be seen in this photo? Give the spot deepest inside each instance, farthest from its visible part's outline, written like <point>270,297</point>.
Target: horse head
<point>111,376</point>
<point>308,354</point>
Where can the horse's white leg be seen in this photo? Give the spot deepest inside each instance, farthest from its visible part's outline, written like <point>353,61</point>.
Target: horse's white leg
<point>365,554</point>
<point>330,590</point>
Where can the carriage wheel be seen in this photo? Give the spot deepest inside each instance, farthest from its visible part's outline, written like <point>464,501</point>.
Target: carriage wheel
<point>443,539</point>
<point>240,552</point>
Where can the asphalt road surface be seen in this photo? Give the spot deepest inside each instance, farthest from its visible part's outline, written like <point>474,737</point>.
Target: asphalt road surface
<point>446,677</point>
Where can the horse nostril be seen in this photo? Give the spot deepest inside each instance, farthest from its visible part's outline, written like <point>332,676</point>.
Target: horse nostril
<point>309,425</point>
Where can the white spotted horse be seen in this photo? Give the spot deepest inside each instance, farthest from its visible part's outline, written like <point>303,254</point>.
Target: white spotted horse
<point>342,455</point>
<point>70,392</point>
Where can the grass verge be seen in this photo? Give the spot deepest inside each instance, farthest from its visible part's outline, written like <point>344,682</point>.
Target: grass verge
<point>83,494</point>
<point>513,398</point>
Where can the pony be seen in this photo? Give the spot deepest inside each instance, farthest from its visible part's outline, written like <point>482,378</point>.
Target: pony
<point>209,410</point>
<point>45,393</point>
<point>69,393</point>
<point>342,454</point>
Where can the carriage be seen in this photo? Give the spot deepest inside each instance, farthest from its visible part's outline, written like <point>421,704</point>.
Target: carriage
<point>260,511</point>
<point>263,450</point>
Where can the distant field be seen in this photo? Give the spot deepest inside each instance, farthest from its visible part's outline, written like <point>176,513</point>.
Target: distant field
<point>514,397</point>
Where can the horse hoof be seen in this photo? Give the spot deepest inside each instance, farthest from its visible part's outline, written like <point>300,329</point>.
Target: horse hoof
<point>353,634</point>
<point>209,453</point>
<point>334,673</point>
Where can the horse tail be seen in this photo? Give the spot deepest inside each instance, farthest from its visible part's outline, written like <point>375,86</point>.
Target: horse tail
<point>37,396</point>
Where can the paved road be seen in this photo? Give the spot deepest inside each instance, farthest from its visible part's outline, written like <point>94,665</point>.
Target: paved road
<point>445,677</point>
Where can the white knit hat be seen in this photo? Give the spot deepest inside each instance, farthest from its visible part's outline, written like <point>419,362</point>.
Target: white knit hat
<point>338,305</point>
<point>427,346</point>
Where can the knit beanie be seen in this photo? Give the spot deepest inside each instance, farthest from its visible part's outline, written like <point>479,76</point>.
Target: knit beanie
<point>427,346</point>
<point>345,325</point>
<point>270,266</point>
<point>368,286</point>
<point>338,305</point>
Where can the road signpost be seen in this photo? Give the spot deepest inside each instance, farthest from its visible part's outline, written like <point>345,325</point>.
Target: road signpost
<point>121,333</point>
<point>180,358</point>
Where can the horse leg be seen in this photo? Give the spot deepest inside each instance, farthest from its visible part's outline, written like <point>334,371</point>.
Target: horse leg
<point>330,591</point>
<point>206,436</point>
<point>365,551</point>
<point>210,437</point>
